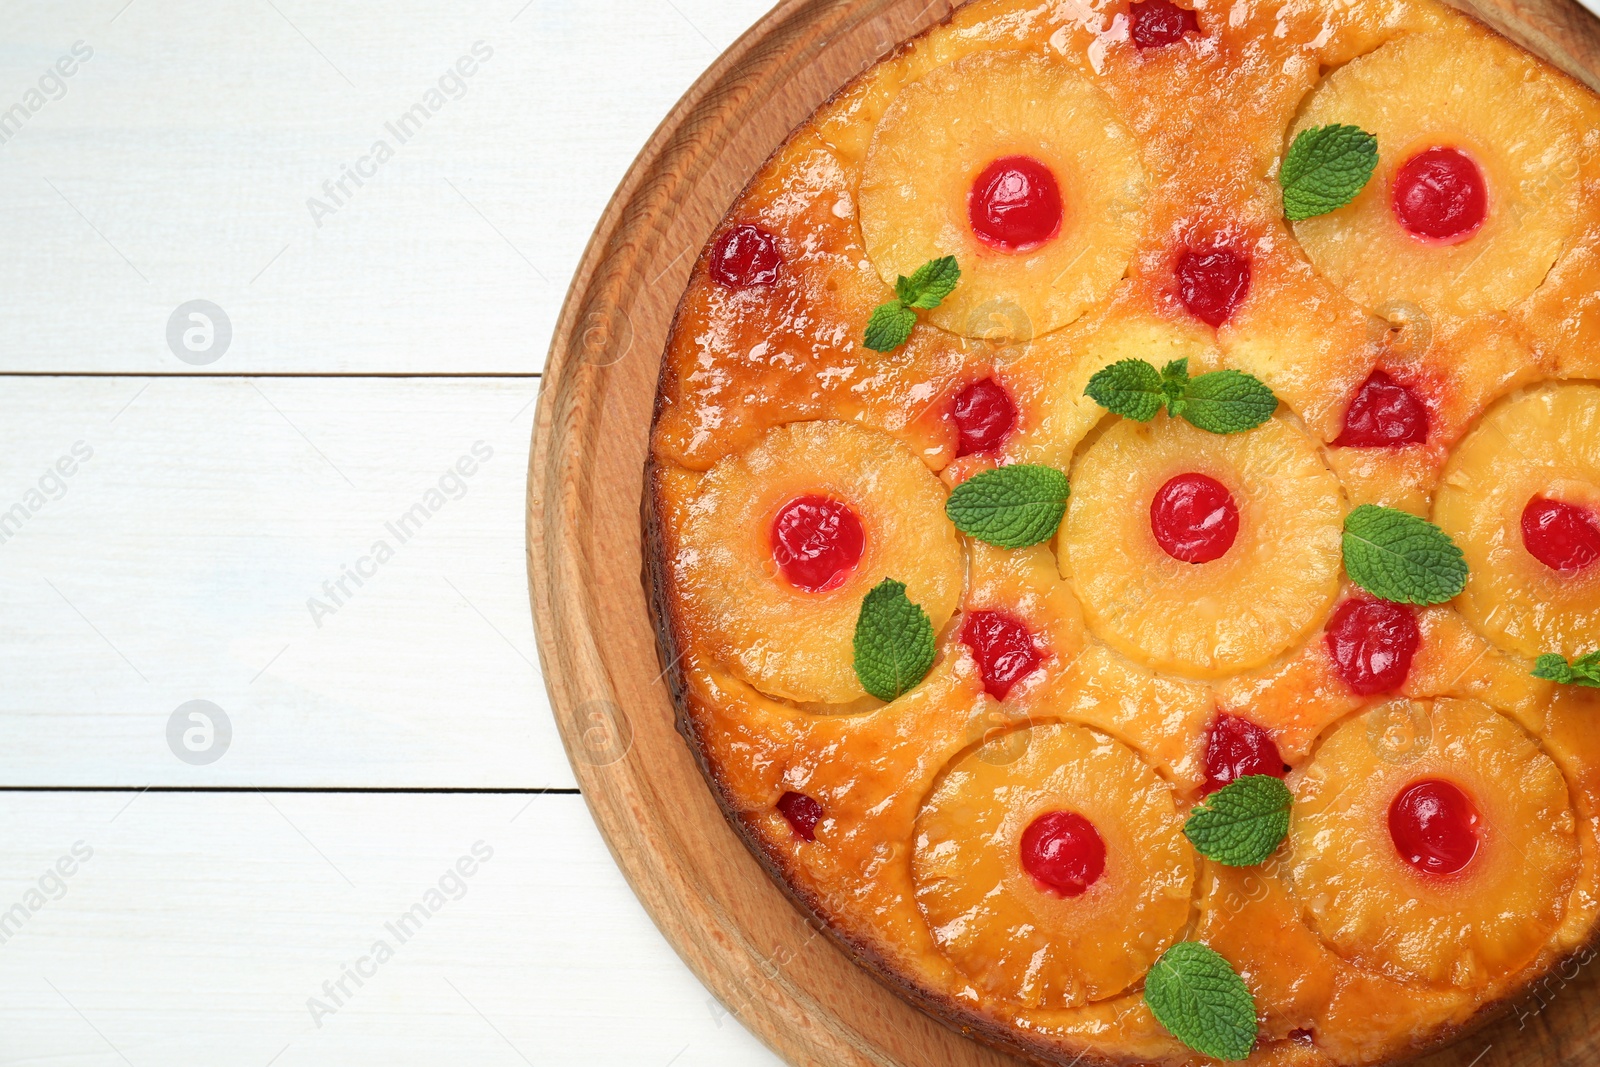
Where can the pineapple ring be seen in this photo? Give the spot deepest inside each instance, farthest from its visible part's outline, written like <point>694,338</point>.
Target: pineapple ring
<point>785,641</point>
<point>1009,936</point>
<point>1206,620</point>
<point>936,138</point>
<point>1545,442</point>
<point>1518,121</point>
<point>1372,907</point>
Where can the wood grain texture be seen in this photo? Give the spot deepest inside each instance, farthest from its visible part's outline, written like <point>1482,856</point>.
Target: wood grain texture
<point>736,929</point>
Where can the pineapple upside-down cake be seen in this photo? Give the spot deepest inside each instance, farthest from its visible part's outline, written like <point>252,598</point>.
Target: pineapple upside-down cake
<point>1124,525</point>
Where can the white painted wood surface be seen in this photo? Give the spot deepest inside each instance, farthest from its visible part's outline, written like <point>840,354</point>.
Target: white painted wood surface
<point>170,514</point>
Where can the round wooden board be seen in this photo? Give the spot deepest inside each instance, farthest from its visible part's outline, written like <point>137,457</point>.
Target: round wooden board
<point>736,930</point>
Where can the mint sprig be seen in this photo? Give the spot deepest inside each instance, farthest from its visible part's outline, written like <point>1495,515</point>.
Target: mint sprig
<point>1325,168</point>
<point>1242,823</point>
<point>1584,670</point>
<point>1197,996</point>
<point>1395,555</point>
<point>894,646</point>
<point>1010,507</point>
<point>1224,401</point>
<point>891,323</point>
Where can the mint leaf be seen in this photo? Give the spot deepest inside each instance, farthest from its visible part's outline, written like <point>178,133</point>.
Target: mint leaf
<point>1174,380</point>
<point>1224,401</point>
<point>1394,555</point>
<point>1227,401</point>
<point>894,641</point>
<point>891,323</point>
<point>1584,671</point>
<point>1131,388</point>
<point>1010,507</point>
<point>929,284</point>
<point>1242,823</point>
<point>889,327</point>
<point>1193,992</point>
<point>1325,168</point>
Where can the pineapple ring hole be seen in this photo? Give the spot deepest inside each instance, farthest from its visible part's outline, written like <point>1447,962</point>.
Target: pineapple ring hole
<point>1440,195</point>
<point>1063,853</point>
<point>1562,535</point>
<point>1015,205</point>
<point>1194,518</point>
<point>817,542</point>
<point>1434,826</point>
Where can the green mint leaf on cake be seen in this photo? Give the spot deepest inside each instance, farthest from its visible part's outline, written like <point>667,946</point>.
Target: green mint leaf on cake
<point>1584,670</point>
<point>889,327</point>
<point>1224,401</point>
<point>894,641</point>
<point>1242,823</point>
<point>1010,507</point>
<point>929,284</point>
<point>1228,401</point>
<point>1395,555</point>
<point>891,323</point>
<point>1195,994</point>
<point>1131,388</point>
<point>1325,168</point>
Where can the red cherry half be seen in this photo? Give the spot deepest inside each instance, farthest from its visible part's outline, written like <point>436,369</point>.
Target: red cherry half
<point>803,814</point>
<point>1063,852</point>
<point>1003,647</point>
<point>1440,194</point>
<point>1212,284</point>
<point>746,256</point>
<point>1434,826</point>
<point>1015,204</point>
<point>984,414</point>
<point>1155,23</point>
<point>1237,747</point>
<point>1194,518</point>
<point>1384,414</point>
<point>1371,643</point>
<point>1562,536</point>
<point>817,542</point>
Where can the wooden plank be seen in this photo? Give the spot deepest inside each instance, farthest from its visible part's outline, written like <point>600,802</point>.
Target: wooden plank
<point>164,540</point>
<point>140,184</point>
<point>200,931</point>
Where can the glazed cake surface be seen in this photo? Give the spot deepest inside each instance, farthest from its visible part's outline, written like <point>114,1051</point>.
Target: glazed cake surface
<point>1005,842</point>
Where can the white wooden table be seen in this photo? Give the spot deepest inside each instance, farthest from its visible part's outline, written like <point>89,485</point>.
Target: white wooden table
<point>301,503</point>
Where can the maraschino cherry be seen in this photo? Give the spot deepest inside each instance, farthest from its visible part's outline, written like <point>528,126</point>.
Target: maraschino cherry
<point>1434,826</point>
<point>1440,195</point>
<point>984,415</point>
<point>746,256</point>
<point>1212,284</point>
<point>1015,204</point>
<point>1236,748</point>
<point>816,542</point>
<point>1383,414</point>
<point>803,814</point>
<point>1003,647</point>
<point>1562,536</point>
<point>1194,518</point>
<point>1063,852</point>
<point>1371,644</point>
<point>1157,23</point>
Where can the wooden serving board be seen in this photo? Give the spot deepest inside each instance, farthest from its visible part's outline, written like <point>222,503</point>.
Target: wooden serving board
<point>781,977</point>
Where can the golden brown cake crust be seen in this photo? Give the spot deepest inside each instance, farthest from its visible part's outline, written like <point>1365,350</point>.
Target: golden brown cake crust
<point>741,364</point>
